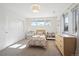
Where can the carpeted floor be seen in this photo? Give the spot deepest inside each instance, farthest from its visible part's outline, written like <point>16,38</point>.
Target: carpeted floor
<point>20,49</point>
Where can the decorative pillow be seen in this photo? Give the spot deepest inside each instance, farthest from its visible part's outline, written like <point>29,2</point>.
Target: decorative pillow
<point>30,33</point>
<point>39,33</point>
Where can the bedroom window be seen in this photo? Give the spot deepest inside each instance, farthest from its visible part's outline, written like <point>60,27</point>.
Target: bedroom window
<point>66,22</point>
<point>33,24</point>
<point>40,23</point>
<point>74,15</point>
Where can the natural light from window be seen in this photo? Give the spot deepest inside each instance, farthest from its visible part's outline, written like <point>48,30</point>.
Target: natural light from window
<point>18,46</point>
<point>40,23</point>
<point>22,47</point>
<point>15,46</point>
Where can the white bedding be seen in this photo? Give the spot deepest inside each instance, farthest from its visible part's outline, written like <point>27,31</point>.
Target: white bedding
<point>38,40</point>
<point>39,36</point>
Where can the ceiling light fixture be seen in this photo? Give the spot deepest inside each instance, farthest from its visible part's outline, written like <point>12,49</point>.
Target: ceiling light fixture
<point>35,8</point>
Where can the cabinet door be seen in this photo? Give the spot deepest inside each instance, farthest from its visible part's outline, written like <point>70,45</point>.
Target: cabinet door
<point>69,47</point>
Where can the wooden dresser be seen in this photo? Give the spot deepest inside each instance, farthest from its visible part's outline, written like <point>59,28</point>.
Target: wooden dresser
<point>66,44</point>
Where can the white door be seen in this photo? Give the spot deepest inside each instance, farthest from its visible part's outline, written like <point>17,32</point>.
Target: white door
<point>14,30</point>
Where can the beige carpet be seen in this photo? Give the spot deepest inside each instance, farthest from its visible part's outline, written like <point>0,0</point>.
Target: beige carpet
<point>20,49</point>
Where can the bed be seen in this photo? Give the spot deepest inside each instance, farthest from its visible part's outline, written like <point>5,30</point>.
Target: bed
<point>39,39</point>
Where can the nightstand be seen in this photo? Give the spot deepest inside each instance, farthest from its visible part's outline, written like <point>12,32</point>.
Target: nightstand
<point>50,36</point>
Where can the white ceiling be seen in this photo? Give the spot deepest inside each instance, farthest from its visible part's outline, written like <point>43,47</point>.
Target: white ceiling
<point>46,9</point>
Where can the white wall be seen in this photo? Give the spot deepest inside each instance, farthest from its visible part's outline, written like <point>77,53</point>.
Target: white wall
<point>11,27</point>
<point>51,28</point>
<point>2,27</point>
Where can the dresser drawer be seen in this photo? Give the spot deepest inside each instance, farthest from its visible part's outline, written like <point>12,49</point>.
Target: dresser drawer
<point>61,49</point>
<point>66,45</point>
<point>61,42</point>
<point>58,39</point>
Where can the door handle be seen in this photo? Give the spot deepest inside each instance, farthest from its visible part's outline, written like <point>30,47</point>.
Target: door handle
<point>6,32</point>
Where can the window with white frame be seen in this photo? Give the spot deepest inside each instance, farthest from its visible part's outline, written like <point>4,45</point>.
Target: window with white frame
<point>40,23</point>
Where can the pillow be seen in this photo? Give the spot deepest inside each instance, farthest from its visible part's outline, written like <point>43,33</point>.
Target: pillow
<point>30,33</point>
<point>39,33</point>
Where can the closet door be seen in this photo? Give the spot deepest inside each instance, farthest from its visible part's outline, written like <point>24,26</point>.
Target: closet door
<point>14,31</point>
